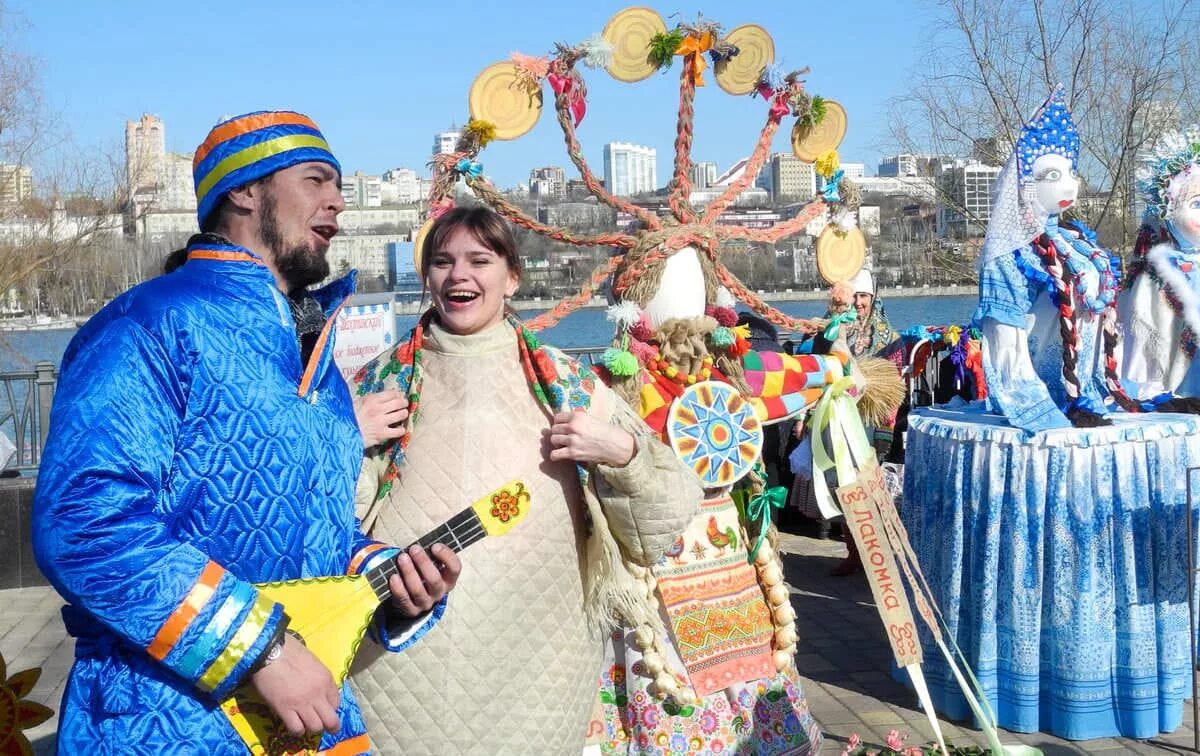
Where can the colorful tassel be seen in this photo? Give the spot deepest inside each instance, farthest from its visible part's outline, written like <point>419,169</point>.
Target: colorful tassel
<point>597,52</point>
<point>624,314</point>
<point>482,131</point>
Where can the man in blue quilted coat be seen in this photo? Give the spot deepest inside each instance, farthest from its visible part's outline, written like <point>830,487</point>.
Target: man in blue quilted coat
<point>201,441</point>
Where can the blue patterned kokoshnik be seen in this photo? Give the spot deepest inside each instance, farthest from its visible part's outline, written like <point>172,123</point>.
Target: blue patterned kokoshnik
<point>1050,132</point>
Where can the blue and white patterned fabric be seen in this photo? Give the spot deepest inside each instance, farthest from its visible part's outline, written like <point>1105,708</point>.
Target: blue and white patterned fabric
<point>1060,564</point>
<point>190,455</point>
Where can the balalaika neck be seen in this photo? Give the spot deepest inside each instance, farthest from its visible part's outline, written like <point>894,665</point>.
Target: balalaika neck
<point>459,532</point>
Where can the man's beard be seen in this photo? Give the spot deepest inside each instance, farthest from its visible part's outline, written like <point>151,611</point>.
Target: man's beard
<point>299,265</point>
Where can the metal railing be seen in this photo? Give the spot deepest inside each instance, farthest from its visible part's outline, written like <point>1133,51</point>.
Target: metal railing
<point>587,356</point>
<point>25,399</point>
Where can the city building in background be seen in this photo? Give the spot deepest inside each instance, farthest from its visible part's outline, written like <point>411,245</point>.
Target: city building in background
<point>549,181</point>
<point>630,168</point>
<point>16,184</point>
<point>791,179</point>
<point>965,198</point>
<point>703,174</point>
<point>445,141</point>
<point>361,190</point>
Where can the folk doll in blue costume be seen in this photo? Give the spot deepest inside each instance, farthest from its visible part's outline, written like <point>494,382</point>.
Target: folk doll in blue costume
<point>1047,290</point>
<point>202,442</point>
<point>1160,304</point>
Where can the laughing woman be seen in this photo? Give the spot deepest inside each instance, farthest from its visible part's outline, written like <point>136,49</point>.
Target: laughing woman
<point>508,666</point>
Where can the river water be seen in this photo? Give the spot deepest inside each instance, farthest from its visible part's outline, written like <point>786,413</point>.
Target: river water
<point>21,350</point>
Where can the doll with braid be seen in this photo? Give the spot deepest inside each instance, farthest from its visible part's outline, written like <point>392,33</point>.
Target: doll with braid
<point>1047,290</point>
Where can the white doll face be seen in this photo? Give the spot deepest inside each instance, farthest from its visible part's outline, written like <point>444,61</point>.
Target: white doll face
<point>1185,213</point>
<point>1055,185</point>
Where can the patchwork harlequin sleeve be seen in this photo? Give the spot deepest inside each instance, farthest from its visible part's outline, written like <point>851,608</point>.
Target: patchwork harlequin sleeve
<point>100,534</point>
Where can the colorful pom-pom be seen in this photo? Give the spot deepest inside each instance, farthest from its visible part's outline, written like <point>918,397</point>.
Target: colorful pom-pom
<point>722,337</point>
<point>619,362</point>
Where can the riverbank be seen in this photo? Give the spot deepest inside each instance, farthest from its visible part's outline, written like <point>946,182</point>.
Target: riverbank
<point>787,295</point>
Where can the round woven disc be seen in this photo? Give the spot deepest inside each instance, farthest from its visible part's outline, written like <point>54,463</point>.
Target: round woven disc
<point>840,254</point>
<point>715,432</point>
<point>418,243</point>
<point>629,32</point>
<point>809,143</point>
<point>497,98</point>
<point>756,51</point>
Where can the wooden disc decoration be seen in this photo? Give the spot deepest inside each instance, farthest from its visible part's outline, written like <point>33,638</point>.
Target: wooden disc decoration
<point>714,430</point>
<point>418,243</point>
<point>630,32</point>
<point>840,254</point>
<point>808,142</point>
<point>498,98</point>
<point>756,50</point>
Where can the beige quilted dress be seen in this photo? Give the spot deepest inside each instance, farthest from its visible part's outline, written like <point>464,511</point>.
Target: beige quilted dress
<point>511,666</point>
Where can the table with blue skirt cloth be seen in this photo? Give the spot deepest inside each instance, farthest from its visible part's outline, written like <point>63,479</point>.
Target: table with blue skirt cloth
<point>1060,564</point>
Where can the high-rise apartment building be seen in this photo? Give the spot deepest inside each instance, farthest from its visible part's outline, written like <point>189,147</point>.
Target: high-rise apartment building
<point>444,142</point>
<point>965,198</point>
<point>791,178</point>
<point>630,168</point>
<point>361,190</point>
<point>703,174</point>
<point>853,170</point>
<point>400,186</point>
<point>16,184</point>
<point>549,181</point>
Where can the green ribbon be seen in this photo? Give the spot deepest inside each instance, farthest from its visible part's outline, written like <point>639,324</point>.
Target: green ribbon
<point>759,509</point>
<point>836,322</point>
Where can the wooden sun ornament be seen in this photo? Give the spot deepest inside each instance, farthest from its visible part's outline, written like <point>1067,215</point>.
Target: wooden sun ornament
<point>506,101</point>
<point>18,714</point>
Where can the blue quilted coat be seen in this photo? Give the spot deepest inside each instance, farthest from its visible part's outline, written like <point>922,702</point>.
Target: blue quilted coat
<point>190,455</point>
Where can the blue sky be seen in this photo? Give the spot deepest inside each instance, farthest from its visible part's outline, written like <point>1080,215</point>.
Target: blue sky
<point>382,77</point>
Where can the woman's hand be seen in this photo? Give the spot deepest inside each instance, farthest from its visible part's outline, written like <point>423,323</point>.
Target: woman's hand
<point>579,437</point>
<point>380,416</point>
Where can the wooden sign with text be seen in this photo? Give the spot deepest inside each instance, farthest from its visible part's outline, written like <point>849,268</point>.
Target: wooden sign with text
<point>860,502</point>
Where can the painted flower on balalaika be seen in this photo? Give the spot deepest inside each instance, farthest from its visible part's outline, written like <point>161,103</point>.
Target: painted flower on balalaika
<point>16,713</point>
<point>506,505</point>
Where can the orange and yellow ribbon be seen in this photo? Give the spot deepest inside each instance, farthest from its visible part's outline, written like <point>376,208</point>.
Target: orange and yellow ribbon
<point>696,46</point>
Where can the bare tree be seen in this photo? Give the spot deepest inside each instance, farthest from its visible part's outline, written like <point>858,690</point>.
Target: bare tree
<point>1126,66</point>
<point>55,243</point>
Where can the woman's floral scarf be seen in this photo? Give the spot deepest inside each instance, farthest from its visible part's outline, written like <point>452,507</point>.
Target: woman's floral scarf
<point>557,381</point>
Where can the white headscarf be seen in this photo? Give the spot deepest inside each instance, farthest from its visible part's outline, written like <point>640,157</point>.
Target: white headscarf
<point>863,282</point>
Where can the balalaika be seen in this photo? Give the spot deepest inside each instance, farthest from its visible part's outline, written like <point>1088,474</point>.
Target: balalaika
<point>331,614</point>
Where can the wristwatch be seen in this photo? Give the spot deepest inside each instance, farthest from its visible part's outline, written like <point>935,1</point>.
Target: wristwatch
<point>274,647</point>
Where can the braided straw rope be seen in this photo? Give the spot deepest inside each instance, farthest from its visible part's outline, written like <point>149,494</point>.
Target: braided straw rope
<point>680,191</point>
<point>573,303</point>
<point>562,105</point>
<point>487,192</point>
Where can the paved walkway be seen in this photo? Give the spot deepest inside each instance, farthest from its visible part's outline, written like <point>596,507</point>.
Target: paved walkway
<point>843,656</point>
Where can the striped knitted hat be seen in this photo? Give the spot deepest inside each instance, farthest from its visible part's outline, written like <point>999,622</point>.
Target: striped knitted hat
<point>249,147</point>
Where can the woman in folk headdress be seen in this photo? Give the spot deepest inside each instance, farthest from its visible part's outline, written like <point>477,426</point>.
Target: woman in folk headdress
<point>870,333</point>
